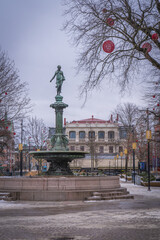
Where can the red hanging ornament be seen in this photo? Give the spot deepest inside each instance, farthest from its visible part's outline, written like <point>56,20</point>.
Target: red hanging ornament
<point>157,104</point>
<point>6,127</point>
<point>104,10</point>
<point>155,36</point>
<point>44,141</point>
<point>153,109</point>
<point>108,46</point>
<point>110,21</point>
<point>14,133</point>
<point>154,96</point>
<point>147,46</point>
<point>5,93</point>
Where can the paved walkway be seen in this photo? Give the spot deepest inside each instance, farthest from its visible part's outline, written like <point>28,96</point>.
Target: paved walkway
<point>107,220</point>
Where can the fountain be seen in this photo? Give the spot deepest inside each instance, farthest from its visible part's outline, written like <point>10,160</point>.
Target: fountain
<point>59,156</point>
<point>59,184</point>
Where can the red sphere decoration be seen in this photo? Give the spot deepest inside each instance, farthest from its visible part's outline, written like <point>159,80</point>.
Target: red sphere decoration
<point>110,21</point>
<point>147,46</point>
<point>5,93</point>
<point>104,10</point>
<point>157,104</point>
<point>153,109</point>
<point>6,127</point>
<point>155,36</point>
<point>136,140</point>
<point>154,96</point>
<point>108,46</point>
<point>14,133</point>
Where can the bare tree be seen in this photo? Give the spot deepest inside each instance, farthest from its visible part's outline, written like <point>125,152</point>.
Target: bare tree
<point>36,134</point>
<point>14,98</point>
<point>37,131</point>
<point>128,23</point>
<point>134,123</point>
<point>14,102</point>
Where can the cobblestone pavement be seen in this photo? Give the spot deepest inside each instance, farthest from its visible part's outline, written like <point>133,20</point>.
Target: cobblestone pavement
<point>108,220</point>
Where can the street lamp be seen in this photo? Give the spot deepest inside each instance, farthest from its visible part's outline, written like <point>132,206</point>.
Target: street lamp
<point>117,162</point>
<point>21,158</point>
<point>126,165</point>
<point>121,154</point>
<point>134,145</point>
<point>148,137</point>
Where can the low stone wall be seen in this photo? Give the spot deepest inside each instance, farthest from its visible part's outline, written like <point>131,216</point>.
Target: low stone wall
<point>56,188</point>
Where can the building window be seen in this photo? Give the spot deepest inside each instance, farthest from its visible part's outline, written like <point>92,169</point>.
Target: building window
<point>72,134</point>
<point>72,148</point>
<point>101,135</point>
<point>123,134</point>
<point>81,148</point>
<point>110,149</point>
<point>120,149</point>
<point>101,149</point>
<point>82,134</point>
<point>110,135</point>
<point>91,134</point>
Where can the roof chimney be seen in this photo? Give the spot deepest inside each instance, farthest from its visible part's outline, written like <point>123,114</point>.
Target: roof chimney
<point>117,118</point>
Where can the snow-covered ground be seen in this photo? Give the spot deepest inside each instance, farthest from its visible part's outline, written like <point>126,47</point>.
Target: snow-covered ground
<point>136,190</point>
<point>141,190</point>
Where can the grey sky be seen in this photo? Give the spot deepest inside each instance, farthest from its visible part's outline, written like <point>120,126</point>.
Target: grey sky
<point>31,35</point>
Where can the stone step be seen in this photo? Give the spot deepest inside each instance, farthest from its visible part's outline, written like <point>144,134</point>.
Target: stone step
<point>99,198</point>
<point>5,196</point>
<point>108,194</point>
<point>118,197</point>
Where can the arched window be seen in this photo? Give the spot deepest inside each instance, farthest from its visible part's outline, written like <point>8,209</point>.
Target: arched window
<point>111,135</point>
<point>82,134</point>
<point>72,134</point>
<point>91,134</point>
<point>101,135</point>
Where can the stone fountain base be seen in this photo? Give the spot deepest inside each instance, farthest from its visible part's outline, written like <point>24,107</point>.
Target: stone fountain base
<point>69,188</point>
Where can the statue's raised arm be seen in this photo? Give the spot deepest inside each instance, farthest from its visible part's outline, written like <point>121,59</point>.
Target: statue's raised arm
<point>59,79</point>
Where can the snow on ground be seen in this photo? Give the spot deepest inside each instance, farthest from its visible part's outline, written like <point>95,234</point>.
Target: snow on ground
<point>141,190</point>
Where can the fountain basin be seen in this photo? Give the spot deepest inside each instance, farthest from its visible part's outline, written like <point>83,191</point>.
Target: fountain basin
<point>59,160</point>
<point>57,188</point>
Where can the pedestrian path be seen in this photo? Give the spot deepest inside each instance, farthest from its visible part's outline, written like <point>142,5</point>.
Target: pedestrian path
<point>140,191</point>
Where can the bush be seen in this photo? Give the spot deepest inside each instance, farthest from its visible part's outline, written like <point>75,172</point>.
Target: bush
<point>145,178</point>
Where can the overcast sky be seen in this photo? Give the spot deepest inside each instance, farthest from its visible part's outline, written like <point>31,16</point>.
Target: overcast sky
<point>30,32</point>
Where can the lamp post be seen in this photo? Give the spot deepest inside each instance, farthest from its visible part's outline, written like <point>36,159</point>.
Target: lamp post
<point>117,162</point>
<point>148,137</point>
<point>126,165</point>
<point>134,145</point>
<point>29,154</point>
<point>121,154</point>
<point>21,158</point>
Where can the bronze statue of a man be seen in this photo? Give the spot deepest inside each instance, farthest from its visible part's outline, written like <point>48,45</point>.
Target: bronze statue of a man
<point>59,79</point>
